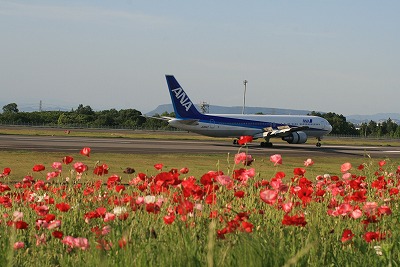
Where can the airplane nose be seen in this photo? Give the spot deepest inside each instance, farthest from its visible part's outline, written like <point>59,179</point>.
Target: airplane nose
<point>328,127</point>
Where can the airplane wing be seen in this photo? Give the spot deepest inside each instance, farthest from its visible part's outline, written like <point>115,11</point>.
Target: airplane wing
<point>280,131</point>
<point>163,118</point>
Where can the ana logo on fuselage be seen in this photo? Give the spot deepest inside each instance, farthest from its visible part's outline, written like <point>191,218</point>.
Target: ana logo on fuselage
<point>184,100</point>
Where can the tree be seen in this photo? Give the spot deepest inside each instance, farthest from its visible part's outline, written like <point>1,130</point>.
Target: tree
<point>10,108</point>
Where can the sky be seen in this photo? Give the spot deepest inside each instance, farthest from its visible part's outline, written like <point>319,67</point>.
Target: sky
<point>324,55</point>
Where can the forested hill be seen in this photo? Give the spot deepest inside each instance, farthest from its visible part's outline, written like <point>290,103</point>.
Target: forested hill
<point>85,116</point>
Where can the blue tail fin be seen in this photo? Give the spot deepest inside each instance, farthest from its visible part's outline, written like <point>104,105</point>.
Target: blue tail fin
<point>183,106</point>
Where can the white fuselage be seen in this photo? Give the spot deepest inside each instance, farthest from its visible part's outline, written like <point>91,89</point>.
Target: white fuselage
<point>236,125</point>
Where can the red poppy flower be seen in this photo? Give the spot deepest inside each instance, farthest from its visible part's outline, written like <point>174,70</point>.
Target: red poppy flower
<point>297,220</point>
<point>184,170</point>
<point>20,225</point>
<point>122,242</point>
<point>347,235</point>
<point>67,159</point>
<point>57,234</point>
<point>247,227</point>
<point>38,168</point>
<point>370,236</point>
<point>158,166</point>
<point>299,171</point>
<point>101,170</point>
<point>169,219</point>
<point>119,188</point>
<point>211,199</point>
<point>239,194</point>
<point>63,207</point>
<point>243,140</point>
<point>6,171</point>
<point>85,151</point>
<point>381,163</point>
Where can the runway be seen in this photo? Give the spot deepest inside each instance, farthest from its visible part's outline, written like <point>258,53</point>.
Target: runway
<point>156,146</point>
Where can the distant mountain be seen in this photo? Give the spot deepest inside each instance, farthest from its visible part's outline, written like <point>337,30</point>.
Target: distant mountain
<point>234,110</point>
<point>379,117</point>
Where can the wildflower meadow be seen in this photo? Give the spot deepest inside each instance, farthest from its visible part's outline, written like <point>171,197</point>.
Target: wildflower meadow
<point>73,214</point>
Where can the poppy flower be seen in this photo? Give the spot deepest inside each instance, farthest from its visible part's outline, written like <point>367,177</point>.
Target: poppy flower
<point>239,194</point>
<point>308,162</point>
<point>19,245</point>
<point>67,159</point>
<point>297,220</point>
<point>101,170</point>
<point>347,235</point>
<point>269,196</point>
<point>243,158</point>
<point>21,225</point>
<point>6,171</point>
<point>345,167</point>
<point>38,168</point>
<point>63,207</point>
<point>158,166</point>
<point>276,159</point>
<point>85,151</point>
<point>299,171</point>
<point>80,167</point>
<point>381,163</point>
<point>57,234</point>
<point>243,140</point>
<point>184,170</point>
<point>169,219</point>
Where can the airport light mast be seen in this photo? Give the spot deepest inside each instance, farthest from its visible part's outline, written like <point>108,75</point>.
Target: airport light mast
<point>244,95</point>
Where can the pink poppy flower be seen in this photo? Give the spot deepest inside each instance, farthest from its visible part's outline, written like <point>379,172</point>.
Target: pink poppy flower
<point>19,245</point>
<point>269,196</point>
<point>308,162</point>
<point>345,167</point>
<point>276,159</point>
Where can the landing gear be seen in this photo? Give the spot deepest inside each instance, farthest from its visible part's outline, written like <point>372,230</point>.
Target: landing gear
<point>266,144</point>
<point>318,142</point>
<point>235,141</point>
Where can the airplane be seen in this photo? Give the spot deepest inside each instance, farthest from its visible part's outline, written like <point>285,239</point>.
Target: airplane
<point>294,129</point>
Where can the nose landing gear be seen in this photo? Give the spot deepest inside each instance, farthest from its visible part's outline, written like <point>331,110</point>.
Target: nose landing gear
<point>318,142</point>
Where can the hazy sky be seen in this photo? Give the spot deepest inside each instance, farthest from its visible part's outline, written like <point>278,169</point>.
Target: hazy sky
<point>325,55</point>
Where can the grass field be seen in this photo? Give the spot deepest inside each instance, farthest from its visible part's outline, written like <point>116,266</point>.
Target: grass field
<point>264,214</point>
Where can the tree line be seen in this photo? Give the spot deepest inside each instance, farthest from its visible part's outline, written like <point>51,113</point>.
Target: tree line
<point>83,116</point>
<point>134,119</point>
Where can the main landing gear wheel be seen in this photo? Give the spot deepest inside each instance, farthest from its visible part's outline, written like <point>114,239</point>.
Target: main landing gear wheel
<point>235,141</point>
<point>266,144</point>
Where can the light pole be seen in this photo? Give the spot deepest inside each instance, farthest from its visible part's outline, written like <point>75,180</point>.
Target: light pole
<point>244,95</point>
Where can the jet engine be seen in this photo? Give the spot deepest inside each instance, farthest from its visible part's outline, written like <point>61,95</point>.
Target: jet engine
<point>296,138</point>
